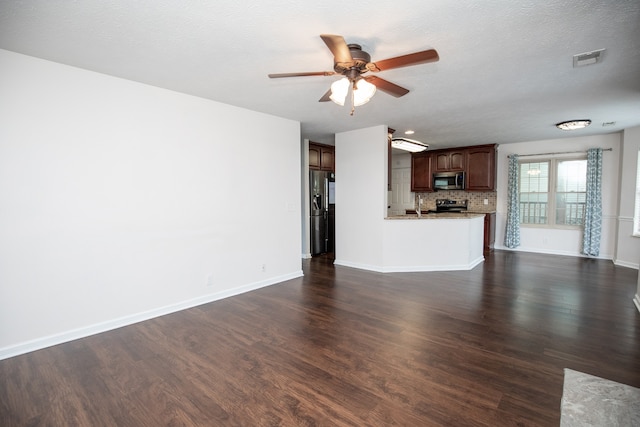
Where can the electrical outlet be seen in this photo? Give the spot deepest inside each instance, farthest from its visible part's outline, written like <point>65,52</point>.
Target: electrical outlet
<point>263,267</point>
<point>210,280</point>
<point>486,201</point>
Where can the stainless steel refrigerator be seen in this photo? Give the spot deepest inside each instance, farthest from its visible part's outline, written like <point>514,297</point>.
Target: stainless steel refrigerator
<point>322,196</point>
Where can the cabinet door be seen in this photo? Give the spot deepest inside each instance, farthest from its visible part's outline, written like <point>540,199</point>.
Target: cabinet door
<point>326,159</point>
<point>481,168</point>
<point>441,162</point>
<point>314,157</point>
<point>456,161</point>
<point>489,231</point>
<point>421,176</point>
<point>448,161</point>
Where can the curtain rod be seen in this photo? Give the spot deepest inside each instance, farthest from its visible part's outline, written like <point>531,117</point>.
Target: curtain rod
<point>559,152</point>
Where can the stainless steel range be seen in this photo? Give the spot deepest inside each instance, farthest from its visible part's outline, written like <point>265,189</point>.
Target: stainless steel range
<point>447,205</point>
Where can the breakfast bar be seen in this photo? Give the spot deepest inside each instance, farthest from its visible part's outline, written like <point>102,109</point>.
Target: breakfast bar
<point>433,242</point>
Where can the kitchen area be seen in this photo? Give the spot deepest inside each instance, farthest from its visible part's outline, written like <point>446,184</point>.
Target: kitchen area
<point>452,184</point>
<point>452,230</point>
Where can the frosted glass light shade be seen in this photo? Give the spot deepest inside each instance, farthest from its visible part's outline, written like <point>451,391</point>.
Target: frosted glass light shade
<point>363,93</point>
<point>573,124</point>
<point>339,90</point>
<point>409,145</point>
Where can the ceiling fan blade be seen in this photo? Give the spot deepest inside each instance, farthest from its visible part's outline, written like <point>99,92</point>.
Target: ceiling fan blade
<point>386,86</point>
<point>326,97</point>
<point>312,73</point>
<point>405,60</point>
<point>338,47</point>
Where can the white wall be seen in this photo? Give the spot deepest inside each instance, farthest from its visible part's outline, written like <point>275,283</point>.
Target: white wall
<point>122,201</point>
<point>361,196</point>
<point>628,246</point>
<point>563,241</point>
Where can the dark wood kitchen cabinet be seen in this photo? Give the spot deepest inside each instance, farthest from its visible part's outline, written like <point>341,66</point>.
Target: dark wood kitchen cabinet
<point>481,168</point>
<point>489,231</point>
<point>421,174</point>
<point>321,157</point>
<point>448,161</point>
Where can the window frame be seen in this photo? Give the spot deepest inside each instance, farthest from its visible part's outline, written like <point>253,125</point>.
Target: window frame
<point>552,191</point>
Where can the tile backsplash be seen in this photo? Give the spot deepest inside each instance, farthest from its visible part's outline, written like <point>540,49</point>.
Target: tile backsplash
<point>476,199</point>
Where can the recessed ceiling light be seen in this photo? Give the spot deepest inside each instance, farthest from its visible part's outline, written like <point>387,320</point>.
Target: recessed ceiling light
<point>605,124</point>
<point>409,132</point>
<point>573,124</point>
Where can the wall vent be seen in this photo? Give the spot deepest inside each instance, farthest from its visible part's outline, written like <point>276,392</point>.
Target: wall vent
<point>588,58</point>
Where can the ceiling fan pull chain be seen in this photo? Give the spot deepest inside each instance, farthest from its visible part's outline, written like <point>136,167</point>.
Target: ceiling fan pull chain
<point>353,99</point>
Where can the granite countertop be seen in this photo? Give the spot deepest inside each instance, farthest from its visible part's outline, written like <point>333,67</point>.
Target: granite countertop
<point>478,211</point>
<point>453,215</point>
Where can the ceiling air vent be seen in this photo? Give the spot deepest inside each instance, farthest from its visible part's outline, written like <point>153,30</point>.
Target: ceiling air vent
<point>588,58</point>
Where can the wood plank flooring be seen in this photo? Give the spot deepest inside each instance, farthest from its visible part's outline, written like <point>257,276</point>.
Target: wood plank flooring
<point>346,347</point>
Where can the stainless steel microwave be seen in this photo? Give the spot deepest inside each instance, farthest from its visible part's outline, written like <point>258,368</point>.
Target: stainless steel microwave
<point>448,181</point>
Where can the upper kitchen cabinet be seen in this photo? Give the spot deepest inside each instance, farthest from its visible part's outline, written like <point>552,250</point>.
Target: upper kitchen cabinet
<point>448,160</point>
<point>481,168</point>
<point>421,174</point>
<point>321,157</point>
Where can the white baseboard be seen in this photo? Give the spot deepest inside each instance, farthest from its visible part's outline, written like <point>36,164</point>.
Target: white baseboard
<point>408,269</point>
<point>551,252</point>
<point>633,265</point>
<point>358,265</point>
<point>51,340</point>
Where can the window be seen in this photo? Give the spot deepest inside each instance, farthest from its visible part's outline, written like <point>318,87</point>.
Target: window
<point>553,192</point>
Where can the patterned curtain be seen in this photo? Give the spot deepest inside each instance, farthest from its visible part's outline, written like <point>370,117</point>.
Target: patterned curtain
<point>593,204</point>
<point>512,232</point>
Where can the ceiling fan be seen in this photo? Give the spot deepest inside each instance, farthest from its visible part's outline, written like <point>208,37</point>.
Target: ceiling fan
<point>352,62</point>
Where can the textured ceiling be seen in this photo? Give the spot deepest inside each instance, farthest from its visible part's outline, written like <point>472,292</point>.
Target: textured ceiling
<point>505,72</point>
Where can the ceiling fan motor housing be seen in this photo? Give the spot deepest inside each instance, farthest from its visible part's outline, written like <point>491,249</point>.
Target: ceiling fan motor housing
<point>360,60</point>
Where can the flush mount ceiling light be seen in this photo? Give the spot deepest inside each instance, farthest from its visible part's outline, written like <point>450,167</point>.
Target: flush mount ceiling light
<point>573,124</point>
<point>409,145</point>
<point>409,132</point>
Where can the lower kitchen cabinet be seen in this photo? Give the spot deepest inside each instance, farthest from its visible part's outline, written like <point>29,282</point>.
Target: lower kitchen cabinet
<point>489,231</point>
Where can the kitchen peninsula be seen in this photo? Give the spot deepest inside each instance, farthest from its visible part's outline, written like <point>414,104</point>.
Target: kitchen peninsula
<point>454,191</point>
<point>434,242</point>
<point>370,238</point>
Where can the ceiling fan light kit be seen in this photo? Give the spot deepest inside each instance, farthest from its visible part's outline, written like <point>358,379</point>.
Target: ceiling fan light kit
<point>352,62</point>
<point>573,124</point>
<point>362,91</point>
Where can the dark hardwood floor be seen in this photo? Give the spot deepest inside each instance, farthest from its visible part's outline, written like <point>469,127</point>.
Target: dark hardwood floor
<point>346,347</point>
